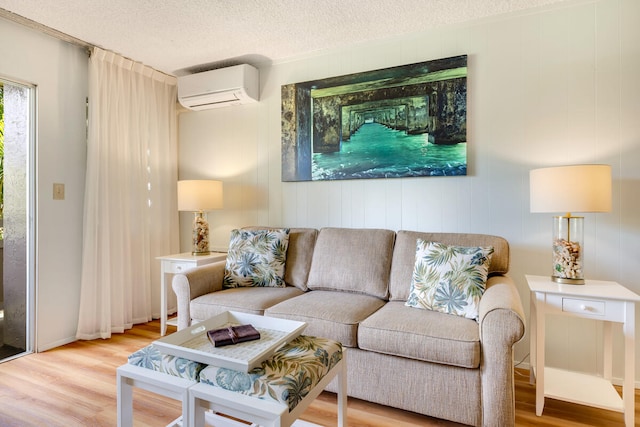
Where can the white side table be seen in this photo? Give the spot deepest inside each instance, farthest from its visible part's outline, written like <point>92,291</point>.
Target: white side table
<point>179,263</point>
<point>600,300</point>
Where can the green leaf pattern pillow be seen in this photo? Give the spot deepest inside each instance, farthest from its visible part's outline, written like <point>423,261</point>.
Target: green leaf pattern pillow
<point>449,279</point>
<point>256,258</point>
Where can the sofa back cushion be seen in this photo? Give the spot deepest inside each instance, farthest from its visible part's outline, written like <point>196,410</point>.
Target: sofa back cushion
<point>404,256</point>
<point>299,253</point>
<point>352,260</point>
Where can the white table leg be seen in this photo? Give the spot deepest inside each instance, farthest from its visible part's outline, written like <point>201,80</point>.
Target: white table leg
<point>540,344</point>
<point>130,376</point>
<point>533,337</point>
<point>163,300</point>
<point>628,391</point>
<point>342,392</point>
<point>607,350</point>
<point>124,401</point>
<point>196,413</point>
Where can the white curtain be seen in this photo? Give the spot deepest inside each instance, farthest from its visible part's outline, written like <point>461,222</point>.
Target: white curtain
<point>130,213</point>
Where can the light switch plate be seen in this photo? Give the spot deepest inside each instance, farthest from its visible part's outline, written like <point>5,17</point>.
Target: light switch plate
<point>58,191</point>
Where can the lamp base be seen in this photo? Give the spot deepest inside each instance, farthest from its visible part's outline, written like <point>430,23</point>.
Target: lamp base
<point>201,253</point>
<point>200,237</point>
<point>567,250</point>
<point>565,281</point>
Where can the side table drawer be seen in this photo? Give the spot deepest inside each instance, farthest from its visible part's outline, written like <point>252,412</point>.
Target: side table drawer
<point>600,309</point>
<point>584,307</point>
<point>177,266</point>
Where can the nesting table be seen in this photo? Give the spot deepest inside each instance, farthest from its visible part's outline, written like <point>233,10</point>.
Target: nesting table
<point>185,380</point>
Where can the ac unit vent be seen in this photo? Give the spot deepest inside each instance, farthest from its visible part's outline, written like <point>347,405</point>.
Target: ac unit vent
<point>219,88</point>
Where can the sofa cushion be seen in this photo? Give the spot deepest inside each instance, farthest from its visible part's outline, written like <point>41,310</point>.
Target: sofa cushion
<point>449,278</point>
<point>352,260</point>
<point>404,256</point>
<point>248,300</point>
<point>299,253</point>
<point>329,314</point>
<point>256,258</point>
<point>424,335</point>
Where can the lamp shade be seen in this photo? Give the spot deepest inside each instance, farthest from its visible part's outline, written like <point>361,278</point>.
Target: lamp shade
<point>199,195</point>
<point>578,188</point>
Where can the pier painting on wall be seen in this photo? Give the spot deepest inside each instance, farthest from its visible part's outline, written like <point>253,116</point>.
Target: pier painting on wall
<point>405,121</point>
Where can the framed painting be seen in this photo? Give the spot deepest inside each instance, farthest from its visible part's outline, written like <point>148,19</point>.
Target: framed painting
<point>405,121</point>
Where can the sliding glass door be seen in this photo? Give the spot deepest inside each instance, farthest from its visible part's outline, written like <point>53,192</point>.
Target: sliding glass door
<point>16,213</point>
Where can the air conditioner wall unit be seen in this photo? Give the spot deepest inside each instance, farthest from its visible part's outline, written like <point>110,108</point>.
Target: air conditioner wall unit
<point>223,87</point>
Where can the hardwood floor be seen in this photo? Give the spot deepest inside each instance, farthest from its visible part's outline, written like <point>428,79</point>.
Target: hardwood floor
<point>74,385</point>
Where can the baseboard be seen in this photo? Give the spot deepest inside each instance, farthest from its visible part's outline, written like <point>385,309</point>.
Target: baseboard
<point>49,346</point>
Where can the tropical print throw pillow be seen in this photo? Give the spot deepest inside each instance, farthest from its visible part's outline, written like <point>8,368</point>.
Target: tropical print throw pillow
<point>449,279</point>
<point>256,258</point>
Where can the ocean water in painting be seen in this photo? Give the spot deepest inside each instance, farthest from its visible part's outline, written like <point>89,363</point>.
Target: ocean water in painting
<point>376,151</point>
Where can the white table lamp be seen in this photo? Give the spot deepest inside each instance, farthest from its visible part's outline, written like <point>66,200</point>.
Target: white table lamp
<point>578,188</point>
<point>199,196</point>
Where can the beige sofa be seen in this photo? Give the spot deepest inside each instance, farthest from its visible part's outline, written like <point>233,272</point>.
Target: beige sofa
<point>351,285</point>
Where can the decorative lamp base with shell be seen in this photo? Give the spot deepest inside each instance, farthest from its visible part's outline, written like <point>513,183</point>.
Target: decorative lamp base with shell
<point>200,237</point>
<point>567,249</point>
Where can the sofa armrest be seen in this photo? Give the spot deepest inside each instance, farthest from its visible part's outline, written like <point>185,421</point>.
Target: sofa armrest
<point>502,324</point>
<point>194,283</point>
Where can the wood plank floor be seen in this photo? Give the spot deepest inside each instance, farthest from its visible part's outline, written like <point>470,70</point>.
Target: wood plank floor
<point>74,385</point>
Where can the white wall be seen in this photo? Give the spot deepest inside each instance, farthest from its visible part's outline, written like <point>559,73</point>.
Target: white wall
<point>556,86</point>
<point>59,71</point>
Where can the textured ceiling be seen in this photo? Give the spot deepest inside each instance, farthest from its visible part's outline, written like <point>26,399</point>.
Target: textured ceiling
<point>182,36</point>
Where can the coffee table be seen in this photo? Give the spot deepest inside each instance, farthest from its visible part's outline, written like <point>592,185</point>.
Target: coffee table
<point>278,392</point>
<point>196,397</point>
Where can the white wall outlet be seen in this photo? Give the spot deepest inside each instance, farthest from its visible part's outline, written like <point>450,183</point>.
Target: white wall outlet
<point>58,191</point>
